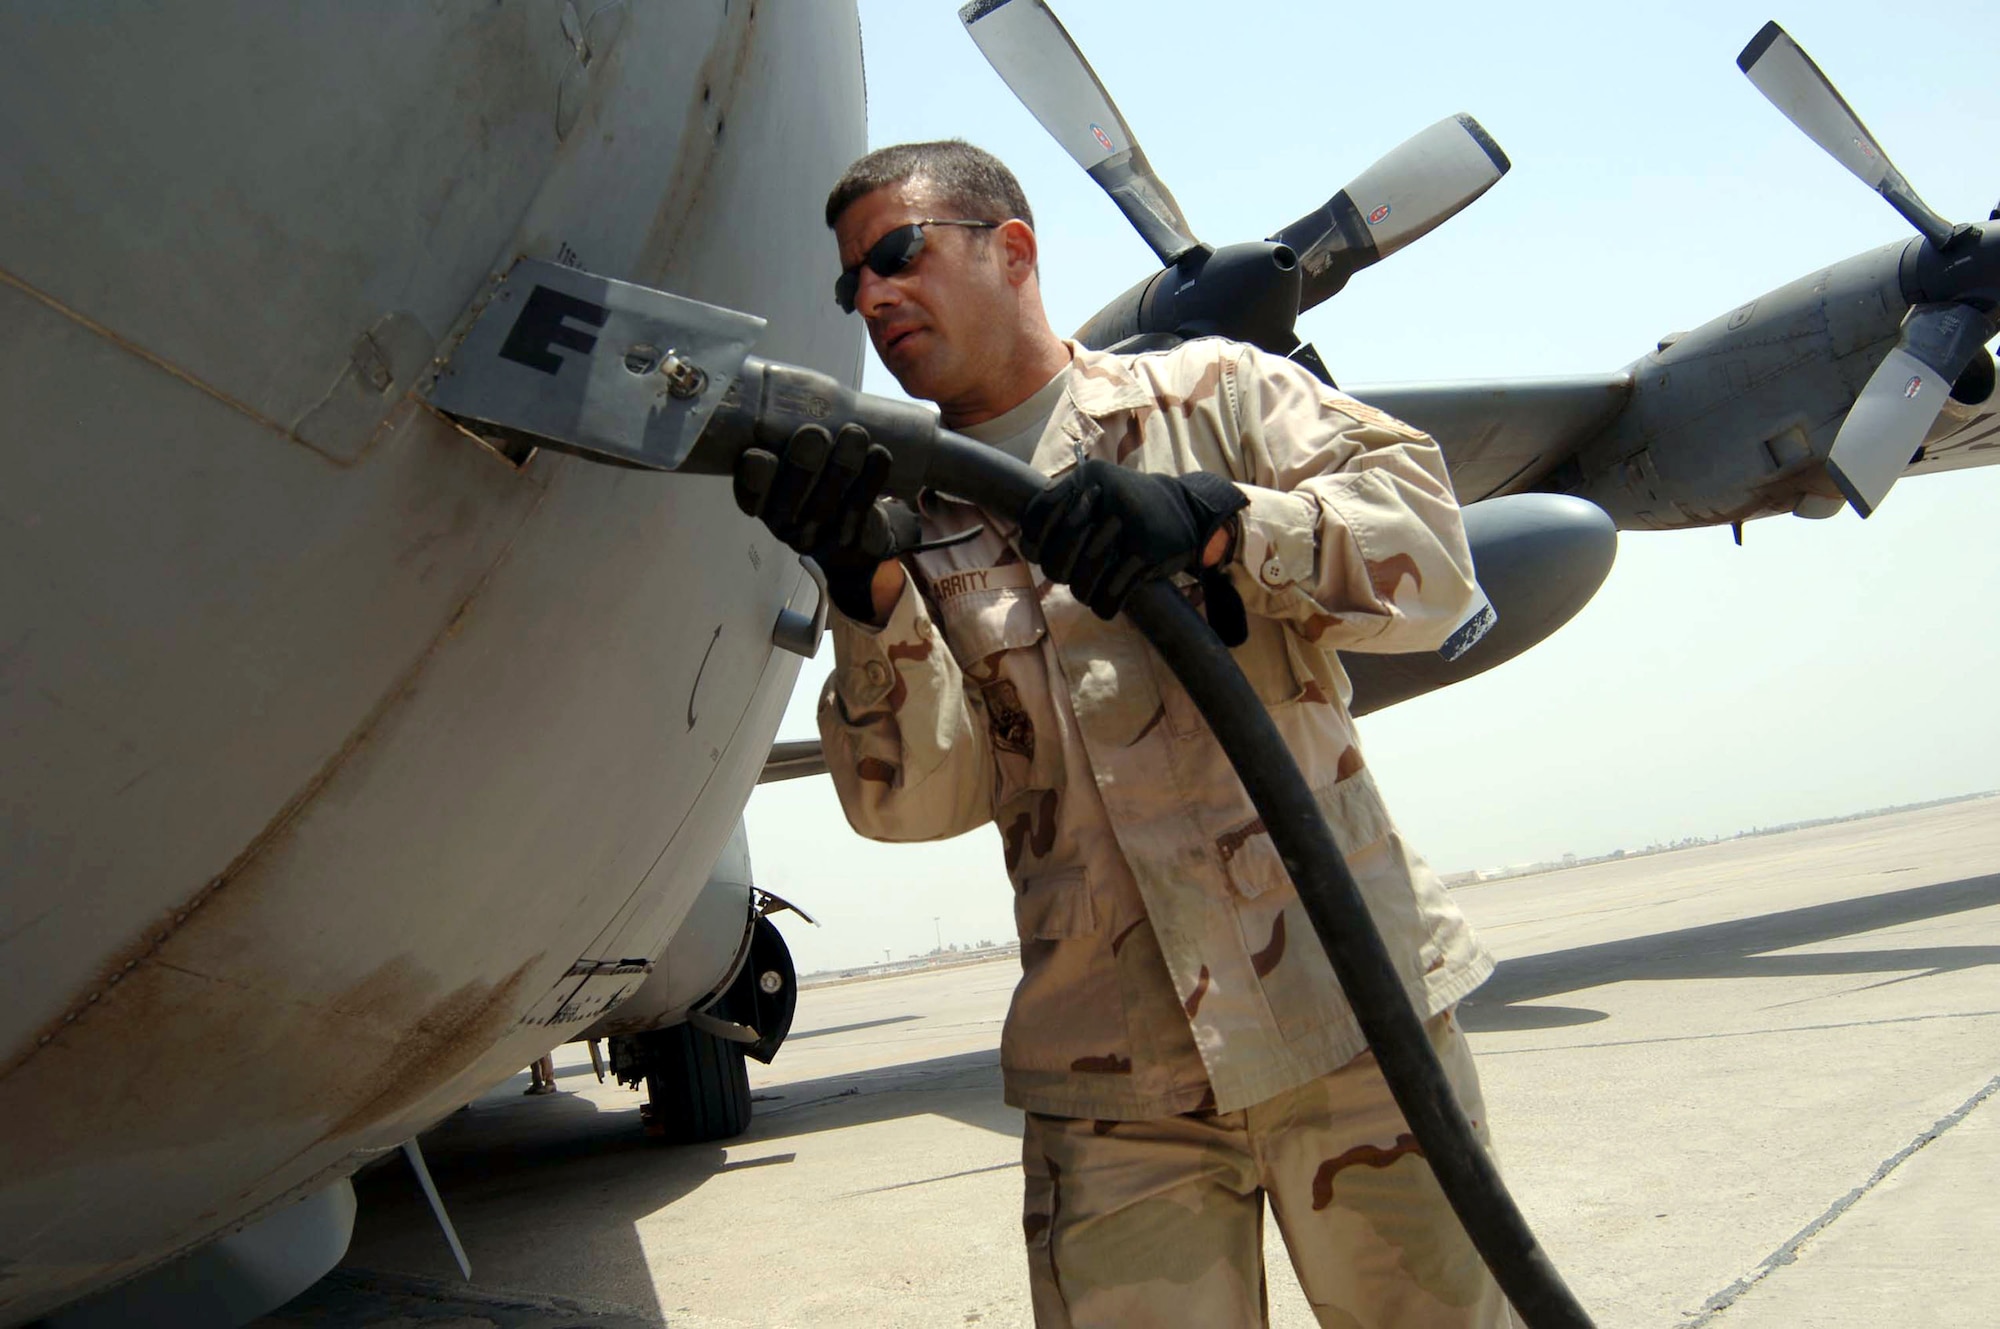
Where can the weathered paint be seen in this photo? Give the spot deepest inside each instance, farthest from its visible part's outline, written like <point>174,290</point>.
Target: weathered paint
<point>328,762</point>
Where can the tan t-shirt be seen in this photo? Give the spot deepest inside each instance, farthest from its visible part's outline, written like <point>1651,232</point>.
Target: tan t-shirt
<point>1016,432</point>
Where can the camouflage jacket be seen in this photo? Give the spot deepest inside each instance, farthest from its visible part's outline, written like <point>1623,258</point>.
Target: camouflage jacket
<point>1167,964</point>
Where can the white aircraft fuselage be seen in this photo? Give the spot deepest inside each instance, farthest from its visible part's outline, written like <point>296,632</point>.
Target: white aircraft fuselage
<point>335,740</point>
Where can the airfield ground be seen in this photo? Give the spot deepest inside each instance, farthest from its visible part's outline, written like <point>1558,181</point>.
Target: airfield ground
<point>1746,1085</point>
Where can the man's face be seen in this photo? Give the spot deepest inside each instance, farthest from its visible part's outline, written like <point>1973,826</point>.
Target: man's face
<point>943,323</point>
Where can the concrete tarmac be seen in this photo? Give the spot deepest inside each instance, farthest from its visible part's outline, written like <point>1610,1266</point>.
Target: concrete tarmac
<point>1743,1086</point>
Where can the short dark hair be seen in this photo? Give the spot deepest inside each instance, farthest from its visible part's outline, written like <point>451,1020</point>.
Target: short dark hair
<point>973,183</point>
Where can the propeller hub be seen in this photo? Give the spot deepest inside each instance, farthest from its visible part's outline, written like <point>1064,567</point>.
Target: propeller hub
<point>1246,292</point>
<point>1965,272</point>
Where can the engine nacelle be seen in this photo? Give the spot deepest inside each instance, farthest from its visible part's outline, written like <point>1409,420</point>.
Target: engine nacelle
<point>1539,558</point>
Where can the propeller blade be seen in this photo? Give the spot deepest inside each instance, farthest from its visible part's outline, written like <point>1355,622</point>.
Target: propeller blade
<point>1790,81</point>
<point>1888,421</point>
<point>1423,182</point>
<point>1028,47</point>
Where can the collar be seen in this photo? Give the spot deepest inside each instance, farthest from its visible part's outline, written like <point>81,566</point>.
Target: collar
<point>1102,384</point>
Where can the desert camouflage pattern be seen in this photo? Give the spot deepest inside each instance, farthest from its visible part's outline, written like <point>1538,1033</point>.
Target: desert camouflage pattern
<point>1161,1222</point>
<point>1167,964</point>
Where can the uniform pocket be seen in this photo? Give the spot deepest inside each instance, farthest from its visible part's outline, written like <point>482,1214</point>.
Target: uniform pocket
<point>995,635</point>
<point>1056,906</point>
<point>981,624</point>
<point>1353,809</point>
<point>1108,669</point>
<point>1267,663</point>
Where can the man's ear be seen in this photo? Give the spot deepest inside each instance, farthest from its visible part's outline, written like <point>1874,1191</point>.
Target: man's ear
<point>1018,250</point>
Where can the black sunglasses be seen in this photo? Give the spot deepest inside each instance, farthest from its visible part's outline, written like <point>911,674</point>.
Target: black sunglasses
<point>891,254</point>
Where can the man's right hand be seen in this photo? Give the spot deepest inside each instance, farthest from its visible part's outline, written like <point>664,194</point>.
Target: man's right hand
<point>822,496</point>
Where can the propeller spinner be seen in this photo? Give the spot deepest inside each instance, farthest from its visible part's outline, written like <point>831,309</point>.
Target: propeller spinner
<point>1254,291</point>
<point>1953,284</point>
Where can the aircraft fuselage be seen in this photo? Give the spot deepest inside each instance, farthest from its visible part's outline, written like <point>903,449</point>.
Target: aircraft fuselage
<point>338,742</point>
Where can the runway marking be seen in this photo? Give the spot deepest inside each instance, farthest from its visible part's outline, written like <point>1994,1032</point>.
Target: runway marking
<point>1735,1033</point>
<point>1789,1252</point>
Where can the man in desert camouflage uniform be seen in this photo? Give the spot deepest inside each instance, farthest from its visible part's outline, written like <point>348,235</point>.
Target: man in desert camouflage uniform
<point>1178,1040</point>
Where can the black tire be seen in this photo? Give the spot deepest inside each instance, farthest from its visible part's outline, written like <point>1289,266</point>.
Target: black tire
<point>698,1084</point>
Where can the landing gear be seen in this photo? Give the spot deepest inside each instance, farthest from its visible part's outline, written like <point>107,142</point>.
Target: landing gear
<point>697,1085</point>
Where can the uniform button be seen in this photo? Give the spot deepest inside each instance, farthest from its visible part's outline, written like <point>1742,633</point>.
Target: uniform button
<point>878,674</point>
<point>924,629</point>
<point>1273,571</point>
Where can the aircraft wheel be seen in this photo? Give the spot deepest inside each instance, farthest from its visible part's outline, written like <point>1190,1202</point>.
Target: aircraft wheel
<point>698,1085</point>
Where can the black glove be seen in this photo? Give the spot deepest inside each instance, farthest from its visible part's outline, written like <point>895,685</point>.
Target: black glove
<point>821,495</point>
<point>1103,529</point>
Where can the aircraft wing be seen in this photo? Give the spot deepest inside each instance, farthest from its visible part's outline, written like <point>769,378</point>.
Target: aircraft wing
<point>1964,436</point>
<point>1500,437</point>
<point>792,759</point>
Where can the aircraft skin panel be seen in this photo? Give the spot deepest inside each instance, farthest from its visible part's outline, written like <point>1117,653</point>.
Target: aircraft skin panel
<point>350,758</point>
<point>431,131</point>
<point>1498,438</point>
<point>184,582</point>
<point>1733,420</point>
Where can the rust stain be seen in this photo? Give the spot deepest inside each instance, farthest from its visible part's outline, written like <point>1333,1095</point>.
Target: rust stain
<point>1266,960</point>
<point>1193,1000</point>
<point>1314,693</point>
<point>379,1046</point>
<point>151,940</point>
<point>876,770</point>
<point>718,83</point>
<point>1361,1155</point>
<point>1118,942</point>
<point>446,1037</point>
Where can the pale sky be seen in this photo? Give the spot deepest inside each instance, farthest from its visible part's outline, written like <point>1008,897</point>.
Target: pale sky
<point>1824,668</point>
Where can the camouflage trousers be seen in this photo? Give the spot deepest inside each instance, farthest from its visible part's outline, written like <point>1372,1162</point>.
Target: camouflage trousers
<point>1158,1223</point>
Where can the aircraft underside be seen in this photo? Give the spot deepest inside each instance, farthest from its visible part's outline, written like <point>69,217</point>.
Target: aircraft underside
<point>352,763</point>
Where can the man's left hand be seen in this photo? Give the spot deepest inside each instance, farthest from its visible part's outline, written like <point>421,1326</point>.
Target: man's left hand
<point>1103,529</point>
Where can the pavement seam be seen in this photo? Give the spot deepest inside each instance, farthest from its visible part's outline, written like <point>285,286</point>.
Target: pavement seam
<point>1789,1252</point>
<point>926,1181</point>
<point>1485,1052</point>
